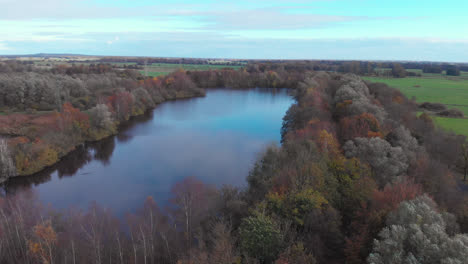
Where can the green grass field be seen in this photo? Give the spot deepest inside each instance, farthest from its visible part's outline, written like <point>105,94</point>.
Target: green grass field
<point>153,74</point>
<point>452,91</point>
<point>457,125</point>
<point>153,70</point>
<point>194,67</point>
<point>123,63</point>
<point>158,69</point>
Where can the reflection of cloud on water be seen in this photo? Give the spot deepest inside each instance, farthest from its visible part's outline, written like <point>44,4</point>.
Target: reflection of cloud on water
<point>207,156</point>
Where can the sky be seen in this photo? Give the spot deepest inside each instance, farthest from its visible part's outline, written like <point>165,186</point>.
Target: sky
<point>416,30</point>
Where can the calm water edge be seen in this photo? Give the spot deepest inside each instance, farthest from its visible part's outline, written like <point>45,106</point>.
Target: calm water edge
<point>216,139</point>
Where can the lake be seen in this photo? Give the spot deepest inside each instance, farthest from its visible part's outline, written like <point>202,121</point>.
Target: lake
<point>216,139</point>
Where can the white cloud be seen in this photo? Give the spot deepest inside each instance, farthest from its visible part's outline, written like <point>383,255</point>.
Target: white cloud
<point>110,42</point>
<point>280,27</point>
<point>3,46</point>
<point>227,15</point>
<point>271,19</point>
<point>80,9</point>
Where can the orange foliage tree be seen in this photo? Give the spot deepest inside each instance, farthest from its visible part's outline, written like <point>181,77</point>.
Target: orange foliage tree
<point>371,218</point>
<point>121,104</point>
<point>364,125</point>
<point>43,243</point>
<point>71,117</point>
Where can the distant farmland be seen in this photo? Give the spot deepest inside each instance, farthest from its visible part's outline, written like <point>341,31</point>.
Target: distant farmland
<point>437,88</point>
<point>153,70</point>
<point>158,69</point>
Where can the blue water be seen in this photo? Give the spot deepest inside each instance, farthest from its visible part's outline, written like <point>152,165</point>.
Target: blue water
<point>216,138</point>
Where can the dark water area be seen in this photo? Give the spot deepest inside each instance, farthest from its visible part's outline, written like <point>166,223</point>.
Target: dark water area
<point>216,139</point>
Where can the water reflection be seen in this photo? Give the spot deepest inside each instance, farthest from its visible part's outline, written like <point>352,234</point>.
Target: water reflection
<point>215,138</point>
<point>70,164</point>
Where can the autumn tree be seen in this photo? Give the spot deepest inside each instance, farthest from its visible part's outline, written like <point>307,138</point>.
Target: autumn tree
<point>386,161</point>
<point>260,177</point>
<point>72,119</point>
<point>179,85</point>
<point>296,254</point>
<point>260,238</point>
<point>401,137</point>
<point>296,206</point>
<point>19,214</point>
<point>143,100</point>
<point>121,104</point>
<point>354,98</point>
<point>328,144</point>
<point>273,79</point>
<point>217,247</point>
<point>44,243</point>
<point>370,218</point>
<point>364,125</point>
<point>193,201</point>
<point>101,120</point>
<point>101,117</point>
<point>398,71</point>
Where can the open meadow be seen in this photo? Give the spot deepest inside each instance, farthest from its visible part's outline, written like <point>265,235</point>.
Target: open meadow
<point>436,88</point>
<point>151,69</point>
<point>158,69</point>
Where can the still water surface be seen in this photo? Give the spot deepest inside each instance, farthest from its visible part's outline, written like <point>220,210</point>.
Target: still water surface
<point>216,138</point>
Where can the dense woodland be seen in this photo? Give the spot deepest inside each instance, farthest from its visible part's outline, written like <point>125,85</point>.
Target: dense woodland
<point>359,177</point>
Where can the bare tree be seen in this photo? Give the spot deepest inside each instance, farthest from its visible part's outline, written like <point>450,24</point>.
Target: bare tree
<point>465,160</point>
<point>193,200</point>
<point>7,168</point>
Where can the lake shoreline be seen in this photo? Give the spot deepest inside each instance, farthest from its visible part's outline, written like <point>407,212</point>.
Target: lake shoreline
<point>3,180</point>
<point>216,138</point>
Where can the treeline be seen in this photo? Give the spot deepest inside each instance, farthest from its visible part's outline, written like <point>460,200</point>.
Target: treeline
<point>449,70</point>
<point>147,61</point>
<point>247,78</point>
<point>426,65</point>
<point>435,66</point>
<point>359,178</point>
<point>11,66</point>
<point>370,68</point>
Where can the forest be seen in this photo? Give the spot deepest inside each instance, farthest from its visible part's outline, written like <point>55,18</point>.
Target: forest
<point>359,176</point>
